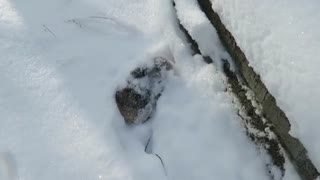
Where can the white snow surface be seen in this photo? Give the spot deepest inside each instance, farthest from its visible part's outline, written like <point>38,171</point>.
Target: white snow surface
<point>281,40</point>
<point>201,30</point>
<point>61,62</point>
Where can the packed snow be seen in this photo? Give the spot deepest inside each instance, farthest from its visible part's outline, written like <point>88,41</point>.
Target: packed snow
<point>61,63</point>
<point>281,40</point>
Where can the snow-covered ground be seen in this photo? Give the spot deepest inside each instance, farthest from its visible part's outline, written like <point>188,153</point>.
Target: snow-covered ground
<point>61,62</point>
<point>281,39</point>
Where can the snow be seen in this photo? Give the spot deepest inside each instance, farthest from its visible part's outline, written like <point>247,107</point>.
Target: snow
<point>57,109</point>
<point>201,30</point>
<point>195,21</point>
<point>281,40</point>
<point>200,142</point>
<point>61,63</point>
